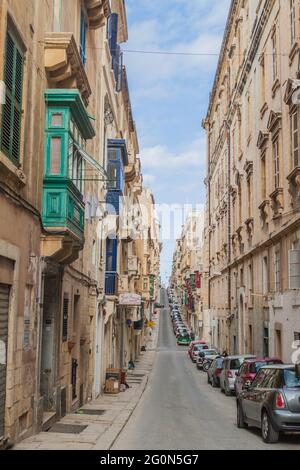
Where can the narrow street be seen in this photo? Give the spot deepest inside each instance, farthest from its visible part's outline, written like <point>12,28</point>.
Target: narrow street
<point>179,410</point>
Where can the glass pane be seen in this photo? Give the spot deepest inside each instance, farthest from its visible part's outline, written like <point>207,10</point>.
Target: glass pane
<point>112,154</point>
<point>56,120</point>
<point>55,155</point>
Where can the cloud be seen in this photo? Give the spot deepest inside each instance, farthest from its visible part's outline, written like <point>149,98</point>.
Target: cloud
<point>161,157</point>
<point>148,179</point>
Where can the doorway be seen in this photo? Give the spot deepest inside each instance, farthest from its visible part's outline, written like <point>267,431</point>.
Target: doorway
<point>278,344</point>
<point>4,308</point>
<point>98,354</point>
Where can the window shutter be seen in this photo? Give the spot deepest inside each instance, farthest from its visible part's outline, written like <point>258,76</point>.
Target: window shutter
<point>294,269</point>
<point>65,319</point>
<point>12,109</point>
<point>113,33</point>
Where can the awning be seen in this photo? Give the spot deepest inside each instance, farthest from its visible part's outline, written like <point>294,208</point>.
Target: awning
<point>91,161</point>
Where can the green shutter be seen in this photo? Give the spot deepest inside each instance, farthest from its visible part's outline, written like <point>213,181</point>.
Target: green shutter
<point>12,109</point>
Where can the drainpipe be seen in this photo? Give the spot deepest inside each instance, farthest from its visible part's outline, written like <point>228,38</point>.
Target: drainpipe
<point>40,301</point>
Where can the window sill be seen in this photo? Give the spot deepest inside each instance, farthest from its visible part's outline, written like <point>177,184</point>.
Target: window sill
<point>293,52</point>
<point>275,87</point>
<point>263,110</point>
<point>15,173</point>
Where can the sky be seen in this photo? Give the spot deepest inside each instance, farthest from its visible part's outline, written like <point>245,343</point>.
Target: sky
<point>170,94</point>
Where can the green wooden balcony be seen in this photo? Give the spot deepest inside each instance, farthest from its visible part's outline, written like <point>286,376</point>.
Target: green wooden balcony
<point>67,129</point>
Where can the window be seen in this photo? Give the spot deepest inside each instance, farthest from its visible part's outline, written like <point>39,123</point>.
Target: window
<point>250,195</point>
<point>259,379</point>
<point>263,177</point>
<point>65,317</point>
<point>115,169</point>
<point>274,56</point>
<point>262,80</point>
<point>55,155</point>
<point>290,379</point>
<point>111,255</point>
<point>265,272</point>
<point>83,29</point>
<point>293,21</point>
<point>12,109</point>
<point>266,342</point>
<point>76,162</point>
<point>242,277</point>
<point>276,163</point>
<point>94,253</point>
<point>250,281</point>
<point>277,270</point>
<point>294,267</point>
<point>295,138</point>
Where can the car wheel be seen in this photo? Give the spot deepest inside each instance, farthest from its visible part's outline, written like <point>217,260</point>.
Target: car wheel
<point>241,423</point>
<point>269,434</point>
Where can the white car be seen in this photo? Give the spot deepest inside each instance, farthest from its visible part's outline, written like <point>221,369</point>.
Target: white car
<point>228,375</point>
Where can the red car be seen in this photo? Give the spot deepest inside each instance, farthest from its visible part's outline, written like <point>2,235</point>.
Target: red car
<point>249,369</point>
<point>191,348</point>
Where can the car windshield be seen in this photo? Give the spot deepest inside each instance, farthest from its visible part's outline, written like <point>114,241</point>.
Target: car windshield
<point>209,352</point>
<point>235,364</point>
<point>290,378</point>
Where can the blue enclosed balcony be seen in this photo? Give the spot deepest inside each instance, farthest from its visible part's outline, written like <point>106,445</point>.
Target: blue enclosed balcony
<point>111,266</point>
<point>116,161</point>
<point>110,283</point>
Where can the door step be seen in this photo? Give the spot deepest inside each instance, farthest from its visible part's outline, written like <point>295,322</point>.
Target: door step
<point>49,418</point>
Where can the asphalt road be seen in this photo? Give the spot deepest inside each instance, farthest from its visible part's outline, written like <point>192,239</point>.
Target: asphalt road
<point>180,411</point>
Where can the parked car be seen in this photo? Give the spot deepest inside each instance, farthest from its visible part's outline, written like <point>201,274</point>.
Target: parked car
<point>193,344</point>
<point>203,354</point>
<point>181,331</point>
<point>228,375</point>
<point>196,349</point>
<point>271,402</point>
<point>183,340</point>
<point>249,369</point>
<point>208,360</point>
<point>214,372</point>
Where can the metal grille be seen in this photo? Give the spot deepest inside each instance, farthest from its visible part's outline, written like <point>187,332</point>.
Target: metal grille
<point>65,319</point>
<point>4,304</point>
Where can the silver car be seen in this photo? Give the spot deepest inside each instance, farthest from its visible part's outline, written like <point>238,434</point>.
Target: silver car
<point>228,374</point>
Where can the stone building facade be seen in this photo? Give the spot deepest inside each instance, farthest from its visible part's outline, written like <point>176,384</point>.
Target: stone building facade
<point>68,156</point>
<point>189,275</point>
<point>252,183</point>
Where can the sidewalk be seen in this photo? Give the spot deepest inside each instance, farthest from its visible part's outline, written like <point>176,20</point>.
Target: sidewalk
<point>109,413</point>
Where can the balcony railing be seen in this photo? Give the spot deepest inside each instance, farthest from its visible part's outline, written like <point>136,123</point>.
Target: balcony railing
<point>110,283</point>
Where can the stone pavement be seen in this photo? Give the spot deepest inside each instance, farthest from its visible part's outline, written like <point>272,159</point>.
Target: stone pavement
<point>102,430</point>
